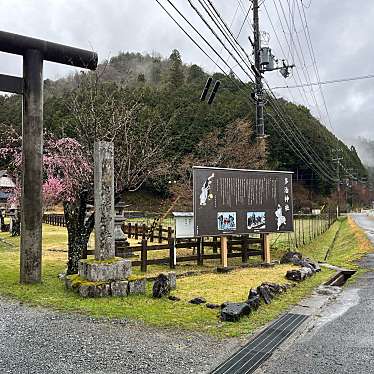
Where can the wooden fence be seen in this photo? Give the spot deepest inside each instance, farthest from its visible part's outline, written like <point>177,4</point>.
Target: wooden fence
<point>307,228</point>
<point>54,219</point>
<point>132,230</point>
<point>237,247</point>
<point>136,231</point>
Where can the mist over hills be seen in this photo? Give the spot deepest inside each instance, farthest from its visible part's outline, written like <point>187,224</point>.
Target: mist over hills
<point>172,89</point>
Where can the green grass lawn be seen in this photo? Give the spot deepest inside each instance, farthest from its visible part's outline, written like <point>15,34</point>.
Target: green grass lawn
<point>216,288</point>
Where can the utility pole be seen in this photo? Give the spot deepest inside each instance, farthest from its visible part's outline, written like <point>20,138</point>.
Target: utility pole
<point>264,61</point>
<point>337,160</point>
<point>258,89</point>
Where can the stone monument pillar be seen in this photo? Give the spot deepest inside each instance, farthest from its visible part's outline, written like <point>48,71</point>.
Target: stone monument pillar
<point>104,200</point>
<point>105,275</point>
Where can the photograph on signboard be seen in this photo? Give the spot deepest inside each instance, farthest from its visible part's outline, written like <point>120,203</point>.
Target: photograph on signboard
<point>256,220</point>
<point>281,219</point>
<point>206,193</point>
<point>226,221</point>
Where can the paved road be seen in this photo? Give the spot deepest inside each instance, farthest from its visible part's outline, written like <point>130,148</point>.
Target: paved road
<point>34,340</point>
<point>342,339</point>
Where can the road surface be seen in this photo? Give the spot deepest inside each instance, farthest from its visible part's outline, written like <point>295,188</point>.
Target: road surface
<point>39,341</point>
<point>342,339</point>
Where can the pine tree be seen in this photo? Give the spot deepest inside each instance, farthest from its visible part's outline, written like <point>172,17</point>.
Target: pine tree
<point>176,76</point>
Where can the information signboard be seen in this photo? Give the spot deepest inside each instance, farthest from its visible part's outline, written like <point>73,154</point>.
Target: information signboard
<point>238,201</point>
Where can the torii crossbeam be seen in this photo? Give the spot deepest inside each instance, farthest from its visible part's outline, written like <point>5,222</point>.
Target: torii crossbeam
<point>34,52</point>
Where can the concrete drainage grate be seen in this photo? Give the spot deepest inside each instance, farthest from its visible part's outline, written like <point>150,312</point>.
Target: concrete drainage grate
<point>253,354</point>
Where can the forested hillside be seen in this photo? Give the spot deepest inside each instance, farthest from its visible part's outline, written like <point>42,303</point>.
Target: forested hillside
<point>169,91</point>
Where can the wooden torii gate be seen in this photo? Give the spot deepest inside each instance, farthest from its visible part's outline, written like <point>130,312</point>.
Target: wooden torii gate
<point>34,52</point>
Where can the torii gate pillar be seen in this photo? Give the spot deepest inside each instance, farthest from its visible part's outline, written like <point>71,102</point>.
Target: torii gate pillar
<point>34,52</point>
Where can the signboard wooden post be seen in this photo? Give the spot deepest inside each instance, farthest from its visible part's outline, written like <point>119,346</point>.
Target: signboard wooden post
<point>266,248</point>
<point>224,251</point>
<point>238,201</point>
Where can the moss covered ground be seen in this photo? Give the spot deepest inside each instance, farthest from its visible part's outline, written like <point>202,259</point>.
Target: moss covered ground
<point>349,245</point>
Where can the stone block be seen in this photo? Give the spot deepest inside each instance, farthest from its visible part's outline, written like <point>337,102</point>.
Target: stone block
<point>68,283</point>
<point>172,277</point>
<point>94,290</point>
<point>233,311</point>
<point>136,286</point>
<point>119,288</point>
<point>96,271</point>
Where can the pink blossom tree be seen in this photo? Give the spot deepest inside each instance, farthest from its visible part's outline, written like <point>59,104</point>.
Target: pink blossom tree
<point>68,178</point>
<point>97,111</point>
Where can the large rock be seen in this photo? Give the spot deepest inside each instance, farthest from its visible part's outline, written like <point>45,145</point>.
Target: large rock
<point>315,265</point>
<point>197,300</point>
<point>254,302</point>
<point>290,257</point>
<point>275,288</point>
<point>233,311</point>
<point>299,275</point>
<point>161,286</point>
<point>265,294</point>
<point>252,293</point>
<point>296,258</point>
<point>306,264</point>
<point>96,271</point>
<point>213,306</point>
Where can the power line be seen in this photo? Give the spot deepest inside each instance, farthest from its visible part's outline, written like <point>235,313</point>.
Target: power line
<point>228,34</point>
<point>231,23</point>
<point>313,57</point>
<point>198,45</point>
<point>302,59</point>
<point>341,80</point>
<point>301,92</point>
<point>218,38</point>
<point>314,165</point>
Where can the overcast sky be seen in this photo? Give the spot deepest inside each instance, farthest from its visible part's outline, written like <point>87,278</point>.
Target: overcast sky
<point>341,32</point>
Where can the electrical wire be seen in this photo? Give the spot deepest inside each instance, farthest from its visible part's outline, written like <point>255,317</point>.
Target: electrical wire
<point>313,58</point>
<point>302,58</point>
<point>332,81</point>
<point>201,36</point>
<point>231,23</point>
<point>314,165</point>
<point>219,39</point>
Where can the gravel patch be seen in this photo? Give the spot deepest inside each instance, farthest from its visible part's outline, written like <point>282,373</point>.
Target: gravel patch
<point>35,340</point>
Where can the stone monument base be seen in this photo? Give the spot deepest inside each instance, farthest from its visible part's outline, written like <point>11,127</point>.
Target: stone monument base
<point>104,270</point>
<point>131,285</point>
<point>101,278</point>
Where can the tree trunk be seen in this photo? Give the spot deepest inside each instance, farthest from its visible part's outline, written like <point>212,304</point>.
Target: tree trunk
<point>79,228</point>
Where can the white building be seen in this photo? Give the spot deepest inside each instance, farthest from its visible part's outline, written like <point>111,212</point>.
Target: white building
<point>7,186</point>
